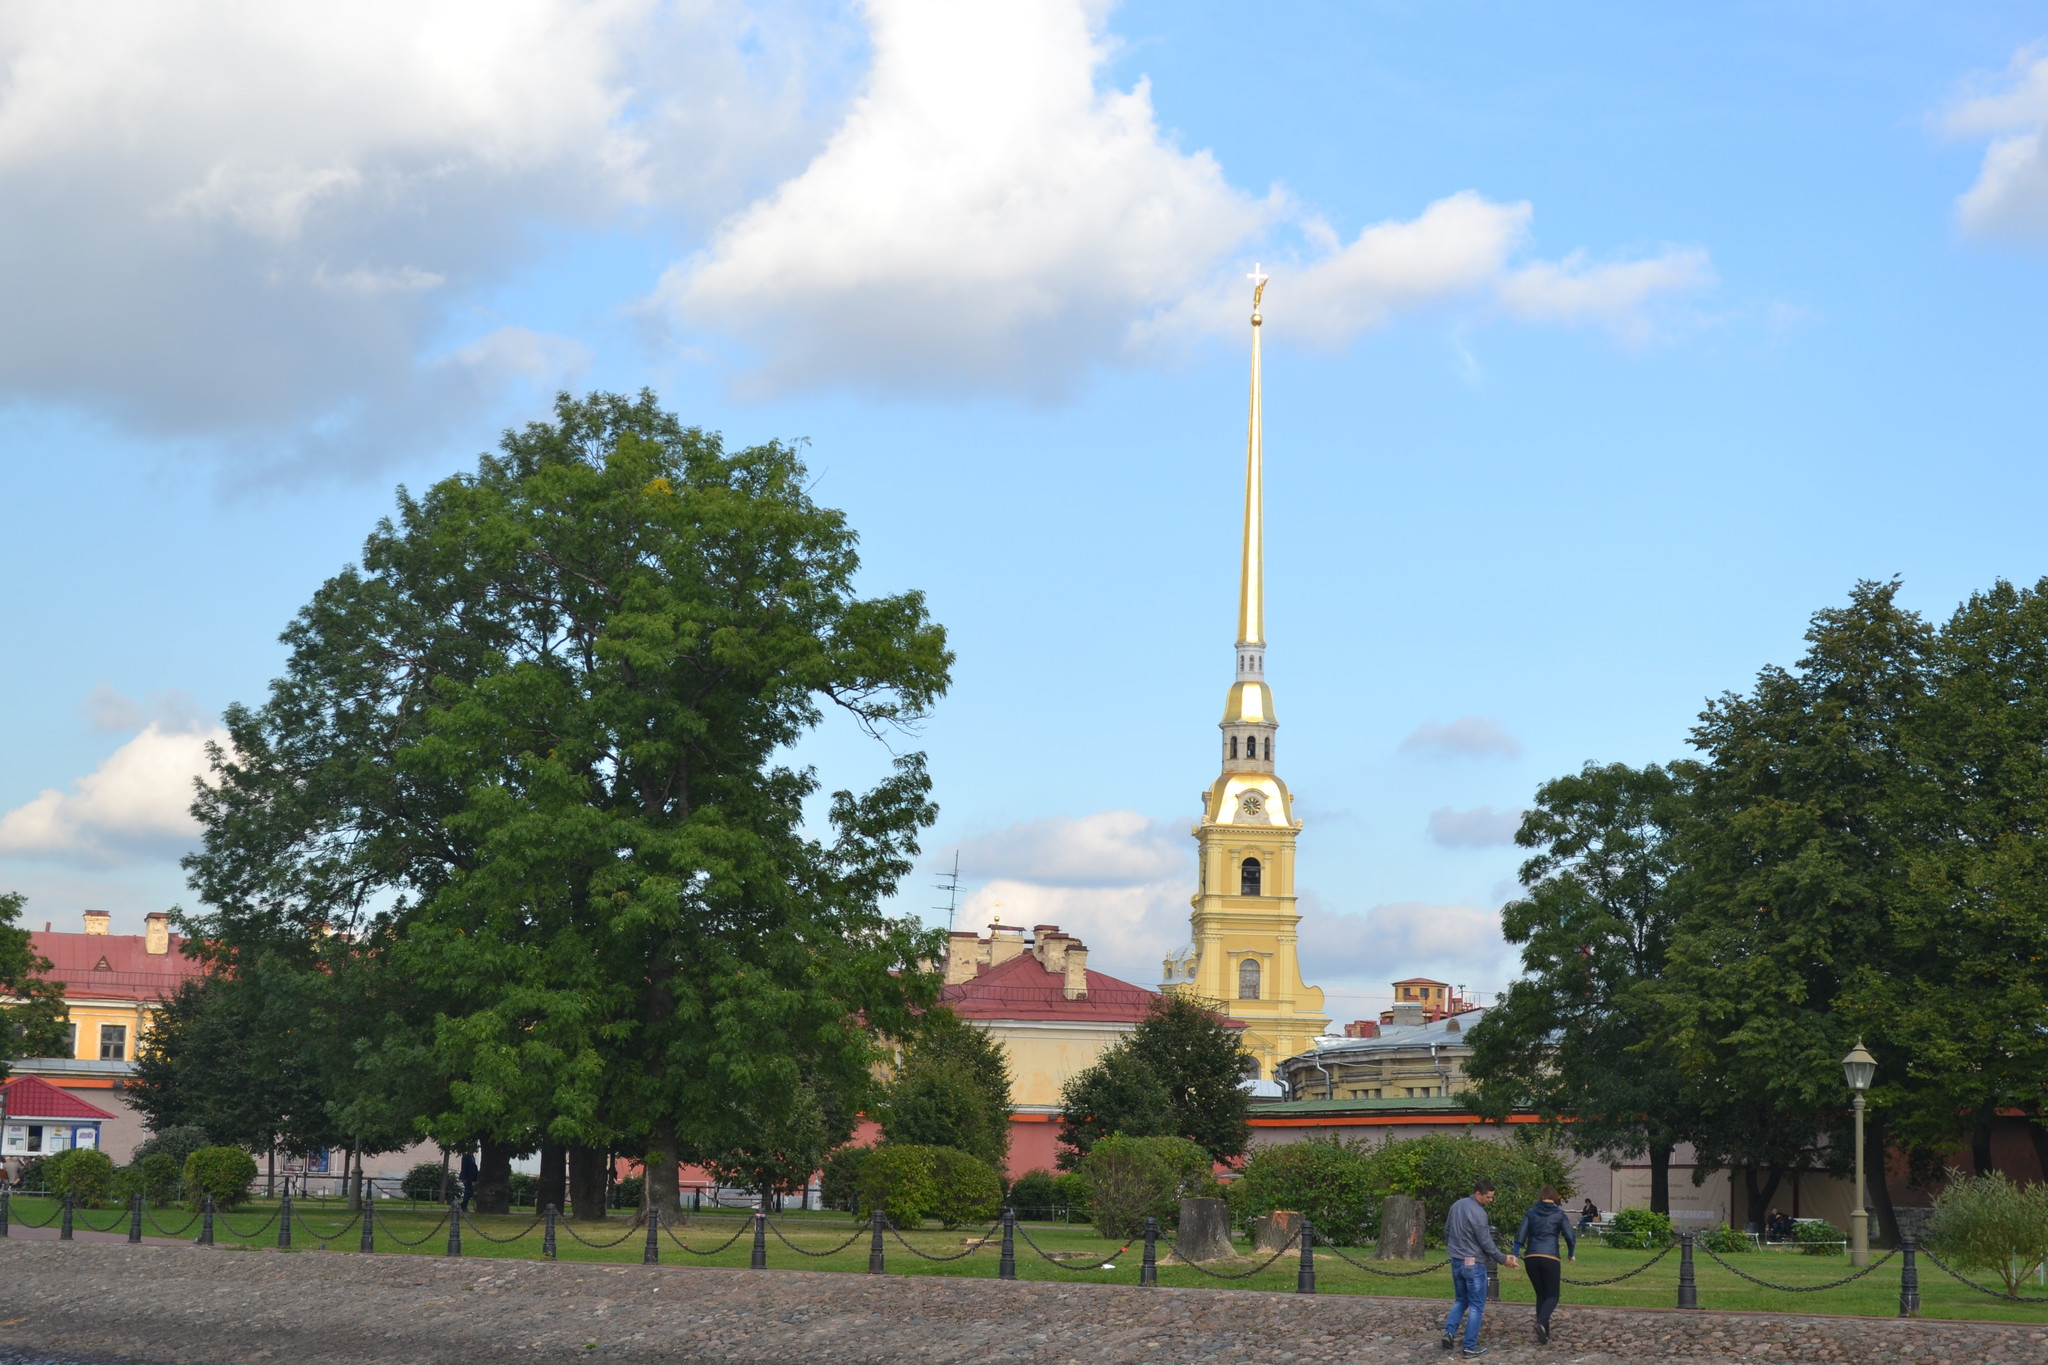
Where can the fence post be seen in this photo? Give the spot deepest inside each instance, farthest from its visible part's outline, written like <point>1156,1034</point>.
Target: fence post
<point>547,1236</point>
<point>369,1242</point>
<point>455,1227</point>
<point>206,1221</point>
<point>1006,1267</point>
<point>65,1234</point>
<point>1688,1287</point>
<point>875,1247</point>
<point>6,1210</point>
<point>1305,1278</point>
<point>135,1220</point>
<point>1148,1273</point>
<point>1909,1281</point>
<point>284,1221</point>
<point>759,1260</point>
<point>652,1256</point>
<point>1492,1282</point>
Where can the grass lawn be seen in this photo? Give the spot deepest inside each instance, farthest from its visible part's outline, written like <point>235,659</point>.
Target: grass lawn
<point>845,1243</point>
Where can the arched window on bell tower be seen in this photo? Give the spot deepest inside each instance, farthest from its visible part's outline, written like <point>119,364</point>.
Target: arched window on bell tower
<point>1233,746</point>
<point>1248,881</point>
<point>1248,976</point>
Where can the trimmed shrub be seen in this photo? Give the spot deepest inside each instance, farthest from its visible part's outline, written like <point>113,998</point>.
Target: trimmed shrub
<point>1988,1223</point>
<point>968,1188</point>
<point>226,1173</point>
<point>899,1179</point>
<point>1441,1169</point>
<point>839,1180</point>
<point>1640,1230</point>
<point>1135,1178</point>
<point>84,1174</point>
<point>423,1182</point>
<point>1325,1179</point>
<point>525,1189</point>
<point>1819,1238</point>
<point>1723,1240</point>
<point>1034,1194</point>
<point>628,1193</point>
<point>177,1142</point>
<point>162,1177</point>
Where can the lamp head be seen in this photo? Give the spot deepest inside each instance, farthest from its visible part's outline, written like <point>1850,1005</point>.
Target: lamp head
<point>1859,1067</point>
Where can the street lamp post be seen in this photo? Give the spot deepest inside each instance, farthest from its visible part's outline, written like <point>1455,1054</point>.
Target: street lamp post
<point>1860,1068</point>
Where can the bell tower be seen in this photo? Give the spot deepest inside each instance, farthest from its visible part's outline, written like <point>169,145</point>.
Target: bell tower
<point>1243,953</point>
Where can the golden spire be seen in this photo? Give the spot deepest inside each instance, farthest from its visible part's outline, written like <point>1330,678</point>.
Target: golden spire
<point>1251,595</point>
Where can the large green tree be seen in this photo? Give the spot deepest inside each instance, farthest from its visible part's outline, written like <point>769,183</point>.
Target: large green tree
<point>37,1024</point>
<point>1811,808</point>
<point>530,761</point>
<point>1180,1073</point>
<point>1568,1039</point>
<point>951,1088</point>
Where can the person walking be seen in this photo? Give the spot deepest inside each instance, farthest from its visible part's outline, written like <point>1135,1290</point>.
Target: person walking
<point>1537,1241</point>
<point>468,1178</point>
<point>1468,1237</point>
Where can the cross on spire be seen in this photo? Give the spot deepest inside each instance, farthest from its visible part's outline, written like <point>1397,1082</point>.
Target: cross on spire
<point>1258,278</point>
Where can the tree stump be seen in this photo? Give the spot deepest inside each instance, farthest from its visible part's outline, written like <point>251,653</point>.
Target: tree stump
<point>1275,1230</point>
<point>1402,1225</point>
<point>1204,1232</point>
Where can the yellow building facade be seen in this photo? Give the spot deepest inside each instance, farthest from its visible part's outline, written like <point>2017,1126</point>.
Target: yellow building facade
<point>1243,952</point>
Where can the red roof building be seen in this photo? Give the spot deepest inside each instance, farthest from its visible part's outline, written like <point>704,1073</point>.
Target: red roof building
<point>41,1119</point>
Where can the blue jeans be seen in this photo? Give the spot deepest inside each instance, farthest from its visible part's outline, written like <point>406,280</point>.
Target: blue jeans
<point>1469,1283</point>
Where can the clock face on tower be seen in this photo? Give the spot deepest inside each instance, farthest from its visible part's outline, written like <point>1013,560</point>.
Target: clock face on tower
<point>1251,807</point>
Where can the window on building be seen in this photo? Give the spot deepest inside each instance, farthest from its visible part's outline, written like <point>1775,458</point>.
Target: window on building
<point>1248,979</point>
<point>1269,748</point>
<point>73,1045</point>
<point>113,1042</point>
<point>1233,746</point>
<point>1248,881</point>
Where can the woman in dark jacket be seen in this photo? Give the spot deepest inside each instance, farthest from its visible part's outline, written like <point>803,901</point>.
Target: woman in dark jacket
<point>1544,1227</point>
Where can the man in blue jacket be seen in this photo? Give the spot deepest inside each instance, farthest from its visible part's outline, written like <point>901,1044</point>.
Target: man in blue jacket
<point>1468,1237</point>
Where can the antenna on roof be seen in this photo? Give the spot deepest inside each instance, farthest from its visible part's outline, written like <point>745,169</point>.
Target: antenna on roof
<point>950,884</point>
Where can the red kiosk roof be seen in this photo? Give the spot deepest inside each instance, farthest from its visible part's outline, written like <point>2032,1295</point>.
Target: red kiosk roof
<point>32,1097</point>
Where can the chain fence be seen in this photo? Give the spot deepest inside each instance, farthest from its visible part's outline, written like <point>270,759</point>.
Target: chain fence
<point>1709,1253</point>
<point>1626,1274</point>
<point>960,1256</point>
<point>1108,1263</point>
<point>221,1221</point>
<point>858,1234</point>
<point>150,1219</point>
<point>324,1238</point>
<point>385,1223</point>
<point>1174,1247</point>
<point>478,1229</point>
<point>632,1231</point>
<point>85,1221</point>
<point>740,1232</point>
<point>1958,1276</point>
<point>1349,1260</point>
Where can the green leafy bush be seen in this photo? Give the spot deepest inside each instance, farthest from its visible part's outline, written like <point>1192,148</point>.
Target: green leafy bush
<point>1441,1169</point>
<point>1818,1238</point>
<point>525,1189</point>
<point>627,1193</point>
<point>1071,1192</point>
<point>839,1181</point>
<point>910,1182</point>
<point>162,1177</point>
<point>1329,1181</point>
<point>226,1173</point>
<point>1135,1178</point>
<point>1033,1194</point>
<point>1725,1240</point>
<point>1640,1230</point>
<point>1988,1223</point>
<point>84,1174</point>
<point>423,1182</point>
<point>177,1142</point>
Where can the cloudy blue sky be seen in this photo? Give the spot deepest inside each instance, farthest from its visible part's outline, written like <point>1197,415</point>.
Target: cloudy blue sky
<point>1605,344</point>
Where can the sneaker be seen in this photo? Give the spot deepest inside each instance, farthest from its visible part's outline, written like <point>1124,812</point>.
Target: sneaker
<point>1471,1351</point>
<point>1448,1342</point>
<point>1542,1334</point>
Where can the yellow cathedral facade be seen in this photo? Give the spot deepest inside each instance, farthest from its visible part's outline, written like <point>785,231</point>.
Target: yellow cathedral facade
<point>1243,953</point>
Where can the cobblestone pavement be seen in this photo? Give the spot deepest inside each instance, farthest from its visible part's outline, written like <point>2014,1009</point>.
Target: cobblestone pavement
<point>95,1303</point>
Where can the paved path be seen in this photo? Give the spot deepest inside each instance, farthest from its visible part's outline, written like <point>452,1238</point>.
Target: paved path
<point>182,1305</point>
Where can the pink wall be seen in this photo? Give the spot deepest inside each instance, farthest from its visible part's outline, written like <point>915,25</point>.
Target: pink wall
<point>1034,1141</point>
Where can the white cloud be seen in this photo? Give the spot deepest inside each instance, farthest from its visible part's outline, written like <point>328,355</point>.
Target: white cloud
<point>173,709</point>
<point>1108,848</point>
<point>1455,943</point>
<point>989,217</point>
<point>2010,196</point>
<point>984,211</point>
<point>1480,827</point>
<point>134,805</point>
<point>1467,735</point>
<point>234,220</point>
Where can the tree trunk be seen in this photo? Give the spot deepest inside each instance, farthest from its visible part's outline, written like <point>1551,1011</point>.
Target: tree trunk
<point>1875,1175</point>
<point>270,1181</point>
<point>1660,1179</point>
<point>351,1179</point>
<point>1759,1197</point>
<point>551,1171</point>
<point>663,1178</point>
<point>494,1178</point>
<point>1980,1147</point>
<point>586,1183</point>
